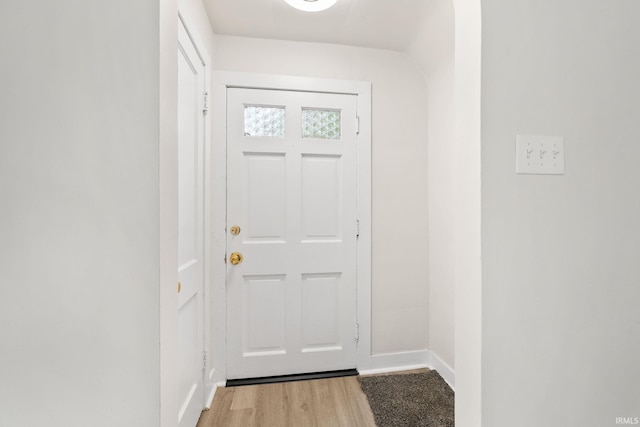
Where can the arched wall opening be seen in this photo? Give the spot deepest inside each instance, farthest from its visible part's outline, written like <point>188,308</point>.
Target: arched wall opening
<point>440,209</point>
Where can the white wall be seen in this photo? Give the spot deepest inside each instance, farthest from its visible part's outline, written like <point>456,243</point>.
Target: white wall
<point>400,229</point>
<point>561,323</point>
<point>433,52</point>
<point>79,219</point>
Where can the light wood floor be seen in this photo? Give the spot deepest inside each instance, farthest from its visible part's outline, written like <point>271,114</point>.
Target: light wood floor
<point>334,402</point>
<point>319,403</point>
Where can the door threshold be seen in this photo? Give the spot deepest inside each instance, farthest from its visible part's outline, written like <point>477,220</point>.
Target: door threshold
<point>292,377</point>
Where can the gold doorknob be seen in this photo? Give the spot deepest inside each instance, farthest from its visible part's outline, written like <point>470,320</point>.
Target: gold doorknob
<point>235,230</point>
<point>236,258</point>
<point>179,287</point>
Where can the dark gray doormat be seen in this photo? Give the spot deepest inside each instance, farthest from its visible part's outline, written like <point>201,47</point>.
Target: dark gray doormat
<point>410,400</point>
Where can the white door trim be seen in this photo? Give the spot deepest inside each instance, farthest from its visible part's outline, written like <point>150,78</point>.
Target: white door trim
<point>223,80</point>
<point>209,385</point>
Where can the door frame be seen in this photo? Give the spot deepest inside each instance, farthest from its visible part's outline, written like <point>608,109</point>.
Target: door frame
<point>208,372</point>
<point>222,80</point>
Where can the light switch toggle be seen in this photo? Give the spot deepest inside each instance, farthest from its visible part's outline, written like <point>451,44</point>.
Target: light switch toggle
<point>533,155</point>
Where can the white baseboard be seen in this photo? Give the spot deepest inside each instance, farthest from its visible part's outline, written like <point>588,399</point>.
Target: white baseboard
<point>403,361</point>
<point>408,360</point>
<point>446,372</point>
<point>212,394</point>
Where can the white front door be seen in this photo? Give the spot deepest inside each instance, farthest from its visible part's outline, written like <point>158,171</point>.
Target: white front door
<point>291,214</point>
<point>191,80</point>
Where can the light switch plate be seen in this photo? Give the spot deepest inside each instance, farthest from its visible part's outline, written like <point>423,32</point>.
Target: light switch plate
<point>539,155</point>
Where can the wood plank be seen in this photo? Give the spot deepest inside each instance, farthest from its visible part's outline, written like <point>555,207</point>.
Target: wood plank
<point>334,402</point>
<point>270,408</point>
<point>244,397</point>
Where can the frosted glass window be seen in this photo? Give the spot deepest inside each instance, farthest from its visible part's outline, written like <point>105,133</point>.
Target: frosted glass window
<point>321,124</point>
<point>263,121</point>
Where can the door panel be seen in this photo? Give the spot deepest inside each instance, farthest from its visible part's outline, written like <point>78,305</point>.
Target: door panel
<point>265,202</point>
<point>264,321</point>
<point>320,312</point>
<point>291,188</point>
<point>190,231</point>
<point>321,197</point>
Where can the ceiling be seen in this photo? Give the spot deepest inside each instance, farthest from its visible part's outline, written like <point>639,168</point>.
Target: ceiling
<point>382,24</point>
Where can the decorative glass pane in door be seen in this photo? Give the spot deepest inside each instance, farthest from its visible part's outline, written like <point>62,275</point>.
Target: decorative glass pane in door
<point>321,124</point>
<point>263,121</point>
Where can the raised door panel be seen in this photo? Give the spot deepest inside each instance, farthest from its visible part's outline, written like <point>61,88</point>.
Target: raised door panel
<point>321,197</point>
<point>321,302</point>
<point>264,315</point>
<point>265,197</point>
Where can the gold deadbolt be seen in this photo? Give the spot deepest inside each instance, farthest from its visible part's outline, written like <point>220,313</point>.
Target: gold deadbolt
<point>236,258</point>
<point>235,230</point>
<point>179,287</point>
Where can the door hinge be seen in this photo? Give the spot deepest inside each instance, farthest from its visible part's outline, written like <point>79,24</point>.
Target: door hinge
<point>204,360</point>
<point>357,125</point>
<point>357,228</point>
<point>205,108</point>
<point>357,332</point>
